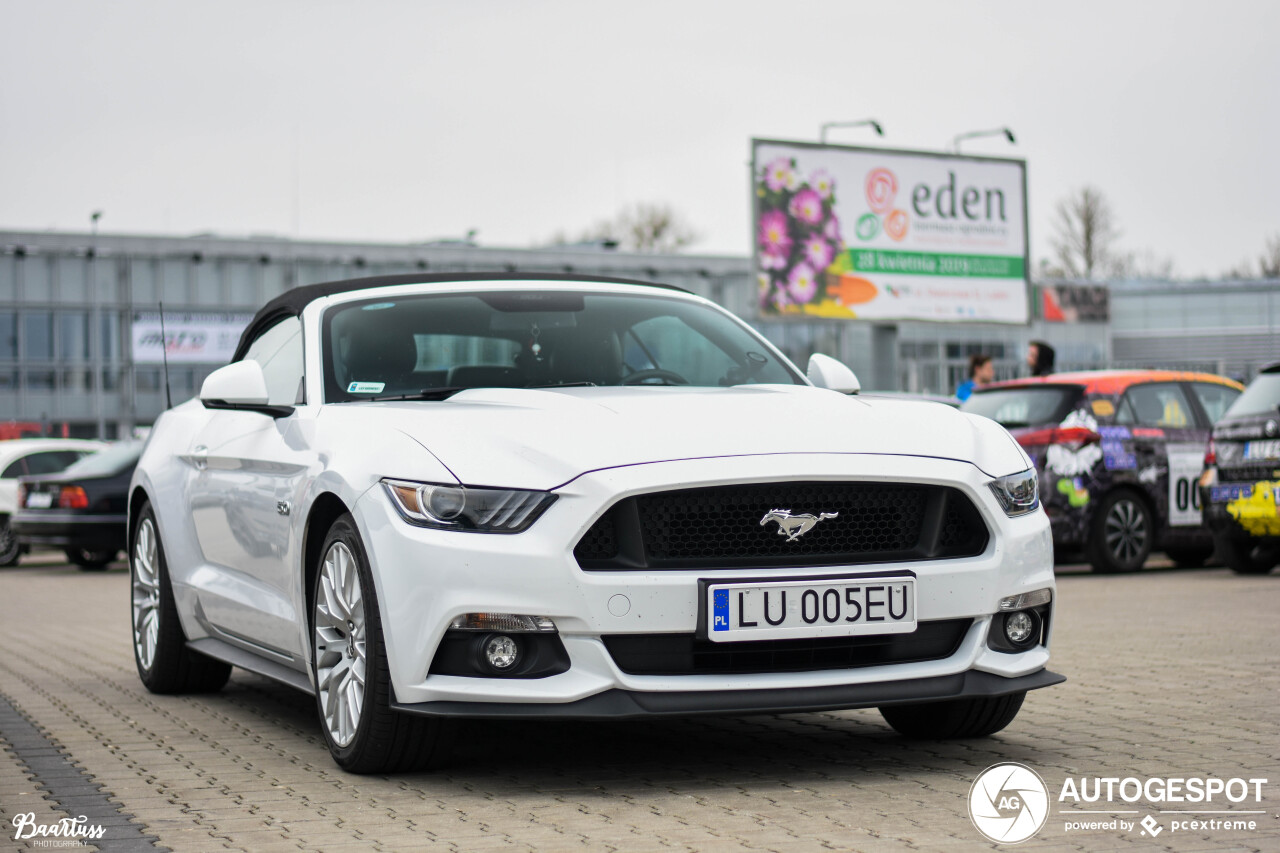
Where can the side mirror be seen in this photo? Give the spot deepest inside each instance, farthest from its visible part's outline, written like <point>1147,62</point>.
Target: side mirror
<point>825,372</point>
<point>240,386</point>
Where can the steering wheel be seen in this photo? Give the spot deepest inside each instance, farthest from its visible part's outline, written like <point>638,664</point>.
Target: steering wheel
<point>654,373</point>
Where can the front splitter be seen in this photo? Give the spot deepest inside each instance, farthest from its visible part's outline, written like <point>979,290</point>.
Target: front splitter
<point>621,704</point>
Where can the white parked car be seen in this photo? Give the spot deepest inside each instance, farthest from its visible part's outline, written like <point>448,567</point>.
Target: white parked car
<point>421,498</point>
<point>28,456</point>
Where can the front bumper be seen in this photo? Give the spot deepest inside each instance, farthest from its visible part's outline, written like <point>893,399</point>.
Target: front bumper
<point>69,529</point>
<point>1242,510</point>
<point>425,578</point>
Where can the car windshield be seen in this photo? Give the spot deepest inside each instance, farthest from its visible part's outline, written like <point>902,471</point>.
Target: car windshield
<point>1260,398</point>
<point>105,463</point>
<point>1022,406</point>
<point>411,346</point>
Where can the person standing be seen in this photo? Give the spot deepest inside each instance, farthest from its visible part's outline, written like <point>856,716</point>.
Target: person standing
<point>981,371</point>
<point>1040,358</point>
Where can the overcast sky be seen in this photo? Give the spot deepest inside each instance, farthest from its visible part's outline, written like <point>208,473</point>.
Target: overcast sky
<point>410,121</point>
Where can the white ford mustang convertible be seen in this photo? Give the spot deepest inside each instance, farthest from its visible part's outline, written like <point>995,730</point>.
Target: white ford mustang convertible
<point>426,497</point>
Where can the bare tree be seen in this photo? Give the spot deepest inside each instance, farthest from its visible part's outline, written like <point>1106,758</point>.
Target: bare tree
<point>639,228</point>
<point>1269,263</point>
<point>1084,233</point>
<point>1140,265</point>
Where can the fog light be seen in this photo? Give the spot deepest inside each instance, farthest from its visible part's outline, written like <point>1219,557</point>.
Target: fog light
<point>1019,627</point>
<point>501,652</point>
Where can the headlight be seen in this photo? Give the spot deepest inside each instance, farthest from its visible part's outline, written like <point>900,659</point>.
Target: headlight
<point>465,508</point>
<point>1018,494</point>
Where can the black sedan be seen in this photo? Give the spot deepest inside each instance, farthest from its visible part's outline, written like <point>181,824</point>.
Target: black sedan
<point>83,509</point>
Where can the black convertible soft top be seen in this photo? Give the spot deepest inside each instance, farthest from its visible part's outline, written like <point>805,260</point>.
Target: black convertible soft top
<point>291,302</point>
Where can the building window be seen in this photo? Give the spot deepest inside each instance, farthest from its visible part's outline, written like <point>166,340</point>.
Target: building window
<point>37,333</point>
<point>8,336</point>
<point>73,336</point>
<point>40,380</point>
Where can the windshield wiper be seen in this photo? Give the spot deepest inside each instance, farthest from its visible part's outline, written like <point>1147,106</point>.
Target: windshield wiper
<point>583,384</point>
<point>425,394</point>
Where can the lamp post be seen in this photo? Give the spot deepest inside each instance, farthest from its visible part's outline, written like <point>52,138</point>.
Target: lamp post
<point>872,123</point>
<point>96,365</point>
<point>974,134</point>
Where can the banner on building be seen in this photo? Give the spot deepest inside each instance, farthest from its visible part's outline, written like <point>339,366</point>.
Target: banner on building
<point>191,338</point>
<point>1075,303</point>
<point>869,233</point>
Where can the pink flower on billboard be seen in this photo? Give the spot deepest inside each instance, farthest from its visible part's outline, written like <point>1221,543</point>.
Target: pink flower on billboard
<point>882,189</point>
<point>817,252</point>
<point>822,183</point>
<point>802,283</point>
<point>771,261</point>
<point>806,206</point>
<point>798,237</point>
<point>779,175</point>
<point>775,237</point>
<point>832,229</point>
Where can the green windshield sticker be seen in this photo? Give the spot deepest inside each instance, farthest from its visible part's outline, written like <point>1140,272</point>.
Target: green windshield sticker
<point>937,263</point>
<point>366,387</point>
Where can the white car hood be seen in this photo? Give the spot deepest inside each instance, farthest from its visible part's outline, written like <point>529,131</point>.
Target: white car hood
<point>542,439</point>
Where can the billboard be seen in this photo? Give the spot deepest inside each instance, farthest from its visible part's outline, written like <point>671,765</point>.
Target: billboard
<point>1075,303</point>
<point>878,234</point>
<point>192,338</point>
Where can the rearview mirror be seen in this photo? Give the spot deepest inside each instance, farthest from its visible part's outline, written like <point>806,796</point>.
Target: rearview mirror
<point>825,372</point>
<point>240,386</point>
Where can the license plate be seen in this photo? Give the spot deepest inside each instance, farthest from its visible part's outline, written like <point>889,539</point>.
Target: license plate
<point>39,500</point>
<point>1269,449</point>
<point>826,607</point>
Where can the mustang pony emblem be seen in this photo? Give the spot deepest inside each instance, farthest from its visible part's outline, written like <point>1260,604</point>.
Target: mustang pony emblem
<point>794,526</point>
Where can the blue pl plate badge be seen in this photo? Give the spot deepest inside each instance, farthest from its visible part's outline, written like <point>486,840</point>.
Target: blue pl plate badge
<point>720,610</point>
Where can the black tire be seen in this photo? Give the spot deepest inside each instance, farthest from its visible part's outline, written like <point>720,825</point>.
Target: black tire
<point>173,668</point>
<point>955,718</point>
<point>1190,557</point>
<point>383,741</point>
<point>1247,557</point>
<point>1121,533</point>
<point>10,550</point>
<point>90,560</point>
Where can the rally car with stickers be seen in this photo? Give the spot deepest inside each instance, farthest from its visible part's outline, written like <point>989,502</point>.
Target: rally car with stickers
<point>1240,486</point>
<point>1118,454</point>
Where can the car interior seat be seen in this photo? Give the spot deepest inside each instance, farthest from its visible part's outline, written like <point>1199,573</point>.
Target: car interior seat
<point>374,355</point>
<point>586,356</point>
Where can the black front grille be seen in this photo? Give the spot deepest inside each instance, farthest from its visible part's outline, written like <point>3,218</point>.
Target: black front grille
<point>720,527</point>
<point>684,654</point>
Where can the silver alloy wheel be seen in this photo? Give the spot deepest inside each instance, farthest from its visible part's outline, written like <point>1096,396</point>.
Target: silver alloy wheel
<point>1125,529</point>
<point>146,593</point>
<point>340,644</point>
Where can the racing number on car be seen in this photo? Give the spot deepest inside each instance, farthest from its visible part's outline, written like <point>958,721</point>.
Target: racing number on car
<point>1185,464</point>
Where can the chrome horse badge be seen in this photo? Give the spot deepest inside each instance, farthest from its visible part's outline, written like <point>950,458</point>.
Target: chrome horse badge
<point>794,526</point>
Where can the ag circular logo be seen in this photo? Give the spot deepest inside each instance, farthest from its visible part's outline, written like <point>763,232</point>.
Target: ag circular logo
<point>1008,803</point>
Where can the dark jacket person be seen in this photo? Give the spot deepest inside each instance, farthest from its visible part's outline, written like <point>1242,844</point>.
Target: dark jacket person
<point>1040,358</point>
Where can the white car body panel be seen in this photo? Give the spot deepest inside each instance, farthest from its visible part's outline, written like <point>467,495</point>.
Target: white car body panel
<point>233,491</point>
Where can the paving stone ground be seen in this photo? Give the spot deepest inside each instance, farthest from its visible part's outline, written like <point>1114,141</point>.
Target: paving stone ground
<point>1172,674</point>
